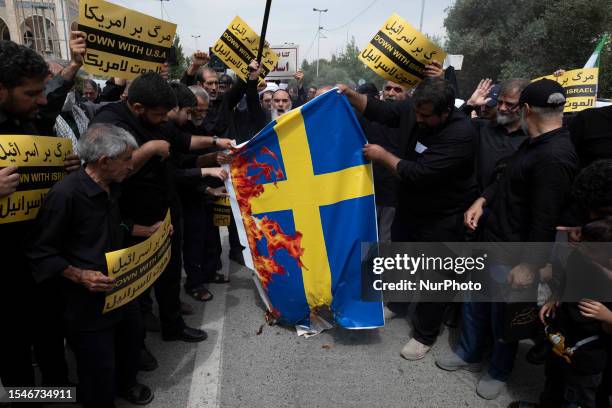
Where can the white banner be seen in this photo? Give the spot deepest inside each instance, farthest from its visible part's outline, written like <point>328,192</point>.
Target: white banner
<point>288,62</point>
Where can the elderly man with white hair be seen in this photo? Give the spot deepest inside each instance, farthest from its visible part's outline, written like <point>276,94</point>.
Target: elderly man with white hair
<point>78,224</point>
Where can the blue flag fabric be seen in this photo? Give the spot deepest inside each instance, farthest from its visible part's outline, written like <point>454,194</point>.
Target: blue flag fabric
<point>305,195</point>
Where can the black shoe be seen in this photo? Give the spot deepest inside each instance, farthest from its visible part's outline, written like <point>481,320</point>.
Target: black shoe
<point>187,334</point>
<point>139,394</point>
<point>147,361</point>
<point>523,404</point>
<point>151,322</point>
<point>538,353</point>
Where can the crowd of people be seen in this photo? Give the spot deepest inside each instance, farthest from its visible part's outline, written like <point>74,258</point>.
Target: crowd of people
<point>507,166</point>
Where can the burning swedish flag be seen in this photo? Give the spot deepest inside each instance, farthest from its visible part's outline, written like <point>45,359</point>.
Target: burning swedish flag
<point>305,195</point>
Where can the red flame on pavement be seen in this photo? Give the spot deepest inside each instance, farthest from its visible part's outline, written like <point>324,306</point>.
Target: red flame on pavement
<point>246,189</point>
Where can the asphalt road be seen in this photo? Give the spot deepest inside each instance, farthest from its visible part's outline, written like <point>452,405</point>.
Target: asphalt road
<point>247,364</point>
<point>244,365</point>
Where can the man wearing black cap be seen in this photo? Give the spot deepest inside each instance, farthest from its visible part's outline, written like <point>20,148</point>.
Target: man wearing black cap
<point>526,202</point>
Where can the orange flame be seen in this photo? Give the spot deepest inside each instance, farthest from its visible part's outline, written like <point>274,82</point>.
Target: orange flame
<point>246,189</point>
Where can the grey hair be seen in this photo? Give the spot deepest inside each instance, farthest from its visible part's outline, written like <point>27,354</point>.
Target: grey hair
<point>200,92</point>
<point>513,86</point>
<point>104,140</point>
<point>547,112</point>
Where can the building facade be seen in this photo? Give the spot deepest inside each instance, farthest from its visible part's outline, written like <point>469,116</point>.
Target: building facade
<point>43,25</point>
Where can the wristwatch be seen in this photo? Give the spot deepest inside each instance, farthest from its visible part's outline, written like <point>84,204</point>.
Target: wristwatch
<point>215,138</point>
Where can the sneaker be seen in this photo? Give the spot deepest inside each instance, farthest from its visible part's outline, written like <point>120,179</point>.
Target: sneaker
<point>414,350</point>
<point>146,360</point>
<point>151,322</point>
<point>489,388</point>
<point>452,362</point>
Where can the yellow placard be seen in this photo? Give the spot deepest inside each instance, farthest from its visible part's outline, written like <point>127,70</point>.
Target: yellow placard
<point>239,45</point>
<point>580,88</point>
<point>399,52</point>
<point>222,212</point>
<point>122,42</point>
<point>136,268</point>
<point>41,164</point>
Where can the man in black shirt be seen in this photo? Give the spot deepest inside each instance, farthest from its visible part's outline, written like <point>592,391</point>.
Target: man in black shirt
<point>150,191</point>
<point>591,132</point>
<point>525,204</point>
<point>80,221</point>
<point>436,178</point>
<point>24,111</point>
<point>500,137</point>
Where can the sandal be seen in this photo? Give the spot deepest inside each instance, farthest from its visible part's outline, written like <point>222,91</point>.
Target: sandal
<point>201,294</point>
<point>219,278</point>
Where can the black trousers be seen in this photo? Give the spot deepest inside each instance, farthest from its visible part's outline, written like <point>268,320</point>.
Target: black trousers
<point>31,314</point>
<point>564,388</point>
<point>428,316</point>
<point>107,359</point>
<point>201,246</point>
<point>168,287</point>
<point>234,240</point>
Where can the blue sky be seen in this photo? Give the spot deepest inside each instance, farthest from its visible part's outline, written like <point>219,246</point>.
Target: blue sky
<point>292,21</point>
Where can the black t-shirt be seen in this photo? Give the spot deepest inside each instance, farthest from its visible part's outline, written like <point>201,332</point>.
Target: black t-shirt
<point>147,194</point>
<point>493,144</point>
<point>527,200</point>
<point>437,167</point>
<point>591,132</point>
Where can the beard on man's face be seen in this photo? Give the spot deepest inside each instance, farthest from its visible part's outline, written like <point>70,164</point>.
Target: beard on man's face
<point>506,119</point>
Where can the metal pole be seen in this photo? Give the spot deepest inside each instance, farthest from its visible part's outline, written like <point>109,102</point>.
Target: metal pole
<point>422,13</point>
<point>45,33</point>
<point>195,38</point>
<point>264,29</point>
<point>66,38</point>
<point>319,36</point>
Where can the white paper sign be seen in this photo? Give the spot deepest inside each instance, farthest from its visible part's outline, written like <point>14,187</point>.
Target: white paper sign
<point>288,62</point>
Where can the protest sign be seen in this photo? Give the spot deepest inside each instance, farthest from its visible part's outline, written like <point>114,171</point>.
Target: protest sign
<point>287,64</point>
<point>399,52</point>
<point>136,268</point>
<point>580,88</point>
<point>222,212</point>
<point>41,164</point>
<point>239,45</point>
<point>122,42</point>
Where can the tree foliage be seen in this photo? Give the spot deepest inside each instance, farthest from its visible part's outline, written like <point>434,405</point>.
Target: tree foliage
<point>176,72</point>
<point>343,68</point>
<point>527,38</point>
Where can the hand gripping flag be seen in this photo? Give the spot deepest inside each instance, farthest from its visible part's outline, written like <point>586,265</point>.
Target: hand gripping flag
<point>305,196</point>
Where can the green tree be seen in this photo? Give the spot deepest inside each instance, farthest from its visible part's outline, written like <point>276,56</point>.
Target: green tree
<point>526,38</point>
<point>342,68</point>
<point>176,71</point>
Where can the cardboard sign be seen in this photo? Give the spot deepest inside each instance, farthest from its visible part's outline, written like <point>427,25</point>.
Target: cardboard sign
<point>121,42</point>
<point>580,88</point>
<point>136,268</point>
<point>239,45</point>
<point>399,52</point>
<point>41,164</point>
